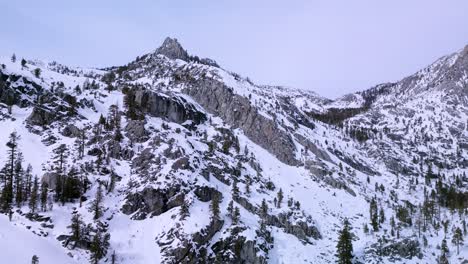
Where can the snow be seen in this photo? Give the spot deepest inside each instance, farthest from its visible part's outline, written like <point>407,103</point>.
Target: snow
<point>19,245</point>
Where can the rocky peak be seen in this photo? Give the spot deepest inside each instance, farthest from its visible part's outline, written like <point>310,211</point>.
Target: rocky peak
<point>172,49</point>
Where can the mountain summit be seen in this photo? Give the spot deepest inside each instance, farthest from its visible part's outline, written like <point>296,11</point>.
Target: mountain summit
<point>172,49</point>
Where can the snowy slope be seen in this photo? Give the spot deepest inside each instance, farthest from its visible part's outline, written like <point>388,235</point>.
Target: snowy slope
<point>200,138</point>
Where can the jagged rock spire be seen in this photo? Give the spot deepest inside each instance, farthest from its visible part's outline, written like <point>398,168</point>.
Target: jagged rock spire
<point>172,49</point>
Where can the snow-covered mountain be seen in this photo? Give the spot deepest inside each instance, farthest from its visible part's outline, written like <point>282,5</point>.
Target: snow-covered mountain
<point>173,159</point>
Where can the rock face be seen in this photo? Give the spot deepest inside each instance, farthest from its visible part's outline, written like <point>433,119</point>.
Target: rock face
<point>173,108</point>
<point>71,131</point>
<point>406,248</point>
<point>238,112</point>
<point>172,49</point>
<point>135,130</point>
<point>243,250</point>
<point>51,179</point>
<point>152,202</point>
<point>40,117</point>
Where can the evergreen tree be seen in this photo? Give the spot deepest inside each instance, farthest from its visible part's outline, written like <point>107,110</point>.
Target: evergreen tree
<point>113,258</point>
<point>76,227</point>
<point>44,195</point>
<point>214,207</point>
<point>34,196</point>
<point>184,210</point>
<point>37,72</point>
<point>99,246</point>
<point>381,216</point>
<point>35,259</point>
<point>235,189</point>
<point>96,205</point>
<point>13,58</point>
<point>235,216</point>
<point>7,192</point>
<point>458,239</point>
<point>280,197</point>
<point>23,63</point>
<point>27,183</point>
<point>374,217</point>
<point>19,181</point>
<point>248,182</point>
<point>230,208</point>
<point>344,248</point>
<point>443,246</point>
<point>264,209</point>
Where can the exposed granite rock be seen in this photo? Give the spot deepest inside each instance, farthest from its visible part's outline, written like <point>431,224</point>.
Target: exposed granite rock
<point>173,108</point>
<point>135,131</point>
<point>205,193</point>
<point>300,229</point>
<point>238,112</point>
<point>406,248</point>
<point>144,160</point>
<point>50,178</point>
<point>41,117</point>
<point>71,131</point>
<point>152,202</point>
<point>172,49</point>
<point>241,249</point>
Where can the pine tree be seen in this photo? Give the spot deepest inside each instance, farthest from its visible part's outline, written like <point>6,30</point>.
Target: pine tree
<point>184,210</point>
<point>374,217</point>
<point>96,205</point>
<point>59,160</point>
<point>27,183</point>
<point>235,216</point>
<point>34,196</point>
<point>344,248</point>
<point>44,195</point>
<point>214,207</point>
<point>37,72</point>
<point>113,258</point>
<point>444,247</point>
<point>13,58</point>
<point>7,192</point>
<point>280,197</point>
<point>248,182</point>
<point>381,216</point>
<point>458,239</point>
<point>76,227</point>
<point>19,181</point>
<point>230,208</point>
<point>35,259</point>
<point>23,63</point>
<point>264,209</point>
<point>443,253</point>
<point>99,246</point>
<point>235,189</point>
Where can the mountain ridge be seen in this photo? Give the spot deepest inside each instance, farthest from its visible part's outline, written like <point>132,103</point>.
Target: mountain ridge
<point>171,140</point>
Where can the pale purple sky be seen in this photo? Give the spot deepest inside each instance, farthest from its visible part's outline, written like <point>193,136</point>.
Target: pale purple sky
<point>331,47</point>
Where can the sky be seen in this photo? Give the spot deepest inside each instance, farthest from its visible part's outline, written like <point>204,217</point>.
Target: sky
<point>329,46</point>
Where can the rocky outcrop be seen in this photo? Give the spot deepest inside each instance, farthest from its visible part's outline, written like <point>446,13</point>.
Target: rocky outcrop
<point>172,49</point>
<point>135,131</point>
<point>299,229</point>
<point>173,108</point>
<point>50,178</point>
<point>236,249</point>
<point>151,202</point>
<point>71,131</point>
<point>238,112</point>
<point>406,248</point>
<point>41,117</point>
